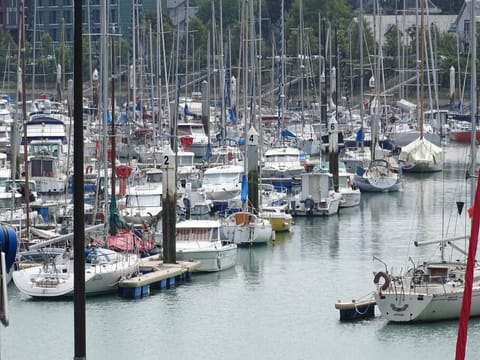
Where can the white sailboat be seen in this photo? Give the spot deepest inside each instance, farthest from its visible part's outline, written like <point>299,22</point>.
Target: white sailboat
<point>55,278</point>
<point>435,290</point>
<point>381,174</point>
<point>421,155</point>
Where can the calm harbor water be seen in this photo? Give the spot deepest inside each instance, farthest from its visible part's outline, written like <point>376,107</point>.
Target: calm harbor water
<point>278,302</point>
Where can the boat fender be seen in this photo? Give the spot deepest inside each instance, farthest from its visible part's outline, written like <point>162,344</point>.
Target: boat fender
<point>386,280</point>
<point>123,171</point>
<point>309,204</point>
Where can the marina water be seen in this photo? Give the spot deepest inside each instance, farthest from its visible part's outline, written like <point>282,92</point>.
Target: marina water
<point>278,302</point>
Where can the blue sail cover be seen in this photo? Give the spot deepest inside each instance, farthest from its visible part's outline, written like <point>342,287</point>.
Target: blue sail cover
<point>360,135</point>
<point>232,116</point>
<point>187,112</point>
<point>244,193</point>
<point>287,133</point>
<point>208,153</point>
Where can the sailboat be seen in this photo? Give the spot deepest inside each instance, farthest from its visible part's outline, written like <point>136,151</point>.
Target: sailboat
<point>382,174</point>
<point>421,155</point>
<point>54,277</point>
<point>436,290</point>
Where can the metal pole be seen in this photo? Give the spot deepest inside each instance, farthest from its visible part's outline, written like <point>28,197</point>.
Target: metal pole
<point>79,210</point>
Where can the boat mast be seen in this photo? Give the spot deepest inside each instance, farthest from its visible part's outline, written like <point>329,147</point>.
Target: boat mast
<point>281,102</point>
<point>24,116</point>
<point>104,97</point>
<point>421,67</point>
<point>473,96</point>
<point>360,36</point>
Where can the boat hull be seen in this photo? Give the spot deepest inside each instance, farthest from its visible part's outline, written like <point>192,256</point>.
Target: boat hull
<point>58,281</point>
<point>211,259</point>
<point>418,307</point>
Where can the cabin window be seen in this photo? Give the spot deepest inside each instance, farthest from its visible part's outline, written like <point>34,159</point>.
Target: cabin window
<point>185,160</point>
<point>194,234</point>
<point>438,275</point>
<point>154,177</point>
<point>41,168</point>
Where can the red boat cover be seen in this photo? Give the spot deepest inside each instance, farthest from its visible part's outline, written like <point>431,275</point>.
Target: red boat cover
<point>467,295</point>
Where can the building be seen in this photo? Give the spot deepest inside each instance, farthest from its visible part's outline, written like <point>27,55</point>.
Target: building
<point>55,17</point>
<point>443,23</point>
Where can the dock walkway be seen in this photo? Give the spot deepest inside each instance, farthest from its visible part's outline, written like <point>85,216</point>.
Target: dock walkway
<point>157,275</point>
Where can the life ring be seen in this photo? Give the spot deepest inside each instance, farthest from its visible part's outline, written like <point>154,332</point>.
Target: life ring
<point>386,280</point>
<point>123,171</point>
<point>89,169</point>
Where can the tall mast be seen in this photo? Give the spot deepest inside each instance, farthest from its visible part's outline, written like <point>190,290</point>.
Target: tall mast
<point>104,110</point>
<point>24,115</point>
<point>473,92</point>
<point>421,66</point>
<point>281,100</point>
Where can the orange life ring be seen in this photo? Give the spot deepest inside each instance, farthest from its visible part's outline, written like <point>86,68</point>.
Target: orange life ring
<point>386,280</point>
<point>123,171</point>
<point>89,169</point>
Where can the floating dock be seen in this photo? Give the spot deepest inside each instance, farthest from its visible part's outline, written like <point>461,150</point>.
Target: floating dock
<point>356,309</point>
<point>154,274</point>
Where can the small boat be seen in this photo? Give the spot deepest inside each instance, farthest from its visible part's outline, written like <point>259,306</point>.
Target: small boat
<point>143,204</point>
<point>429,291</point>
<point>278,216</point>
<point>282,166</point>
<point>246,228</point>
<point>421,156</point>
<point>202,240</point>
<point>193,138</point>
<point>378,177</point>
<point>317,196</point>
<point>356,309</point>
<point>461,131</point>
<point>222,183</point>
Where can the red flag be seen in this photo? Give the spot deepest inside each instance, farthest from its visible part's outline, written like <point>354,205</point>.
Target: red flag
<point>474,213</point>
<point>471,210</point>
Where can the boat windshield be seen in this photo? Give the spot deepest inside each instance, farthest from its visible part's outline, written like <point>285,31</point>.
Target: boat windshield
<point>221,178</point>
<point>155,177</point>
<point>144,200</point>
<point>196,234</point>
<point>281,158</point>
<point>185,160</point>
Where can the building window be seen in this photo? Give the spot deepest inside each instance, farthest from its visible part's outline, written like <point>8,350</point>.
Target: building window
<point>466,28</point>
<point>12,19</point>
<point>67,16</point>
<point>53,17</point>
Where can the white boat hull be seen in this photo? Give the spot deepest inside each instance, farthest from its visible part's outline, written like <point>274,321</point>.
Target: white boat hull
<point>350,197</point>
<point>211,258</point>
<point>249,234</point>
<point>427,292</point>
<point>419,307</point>
<point>58,281</point>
